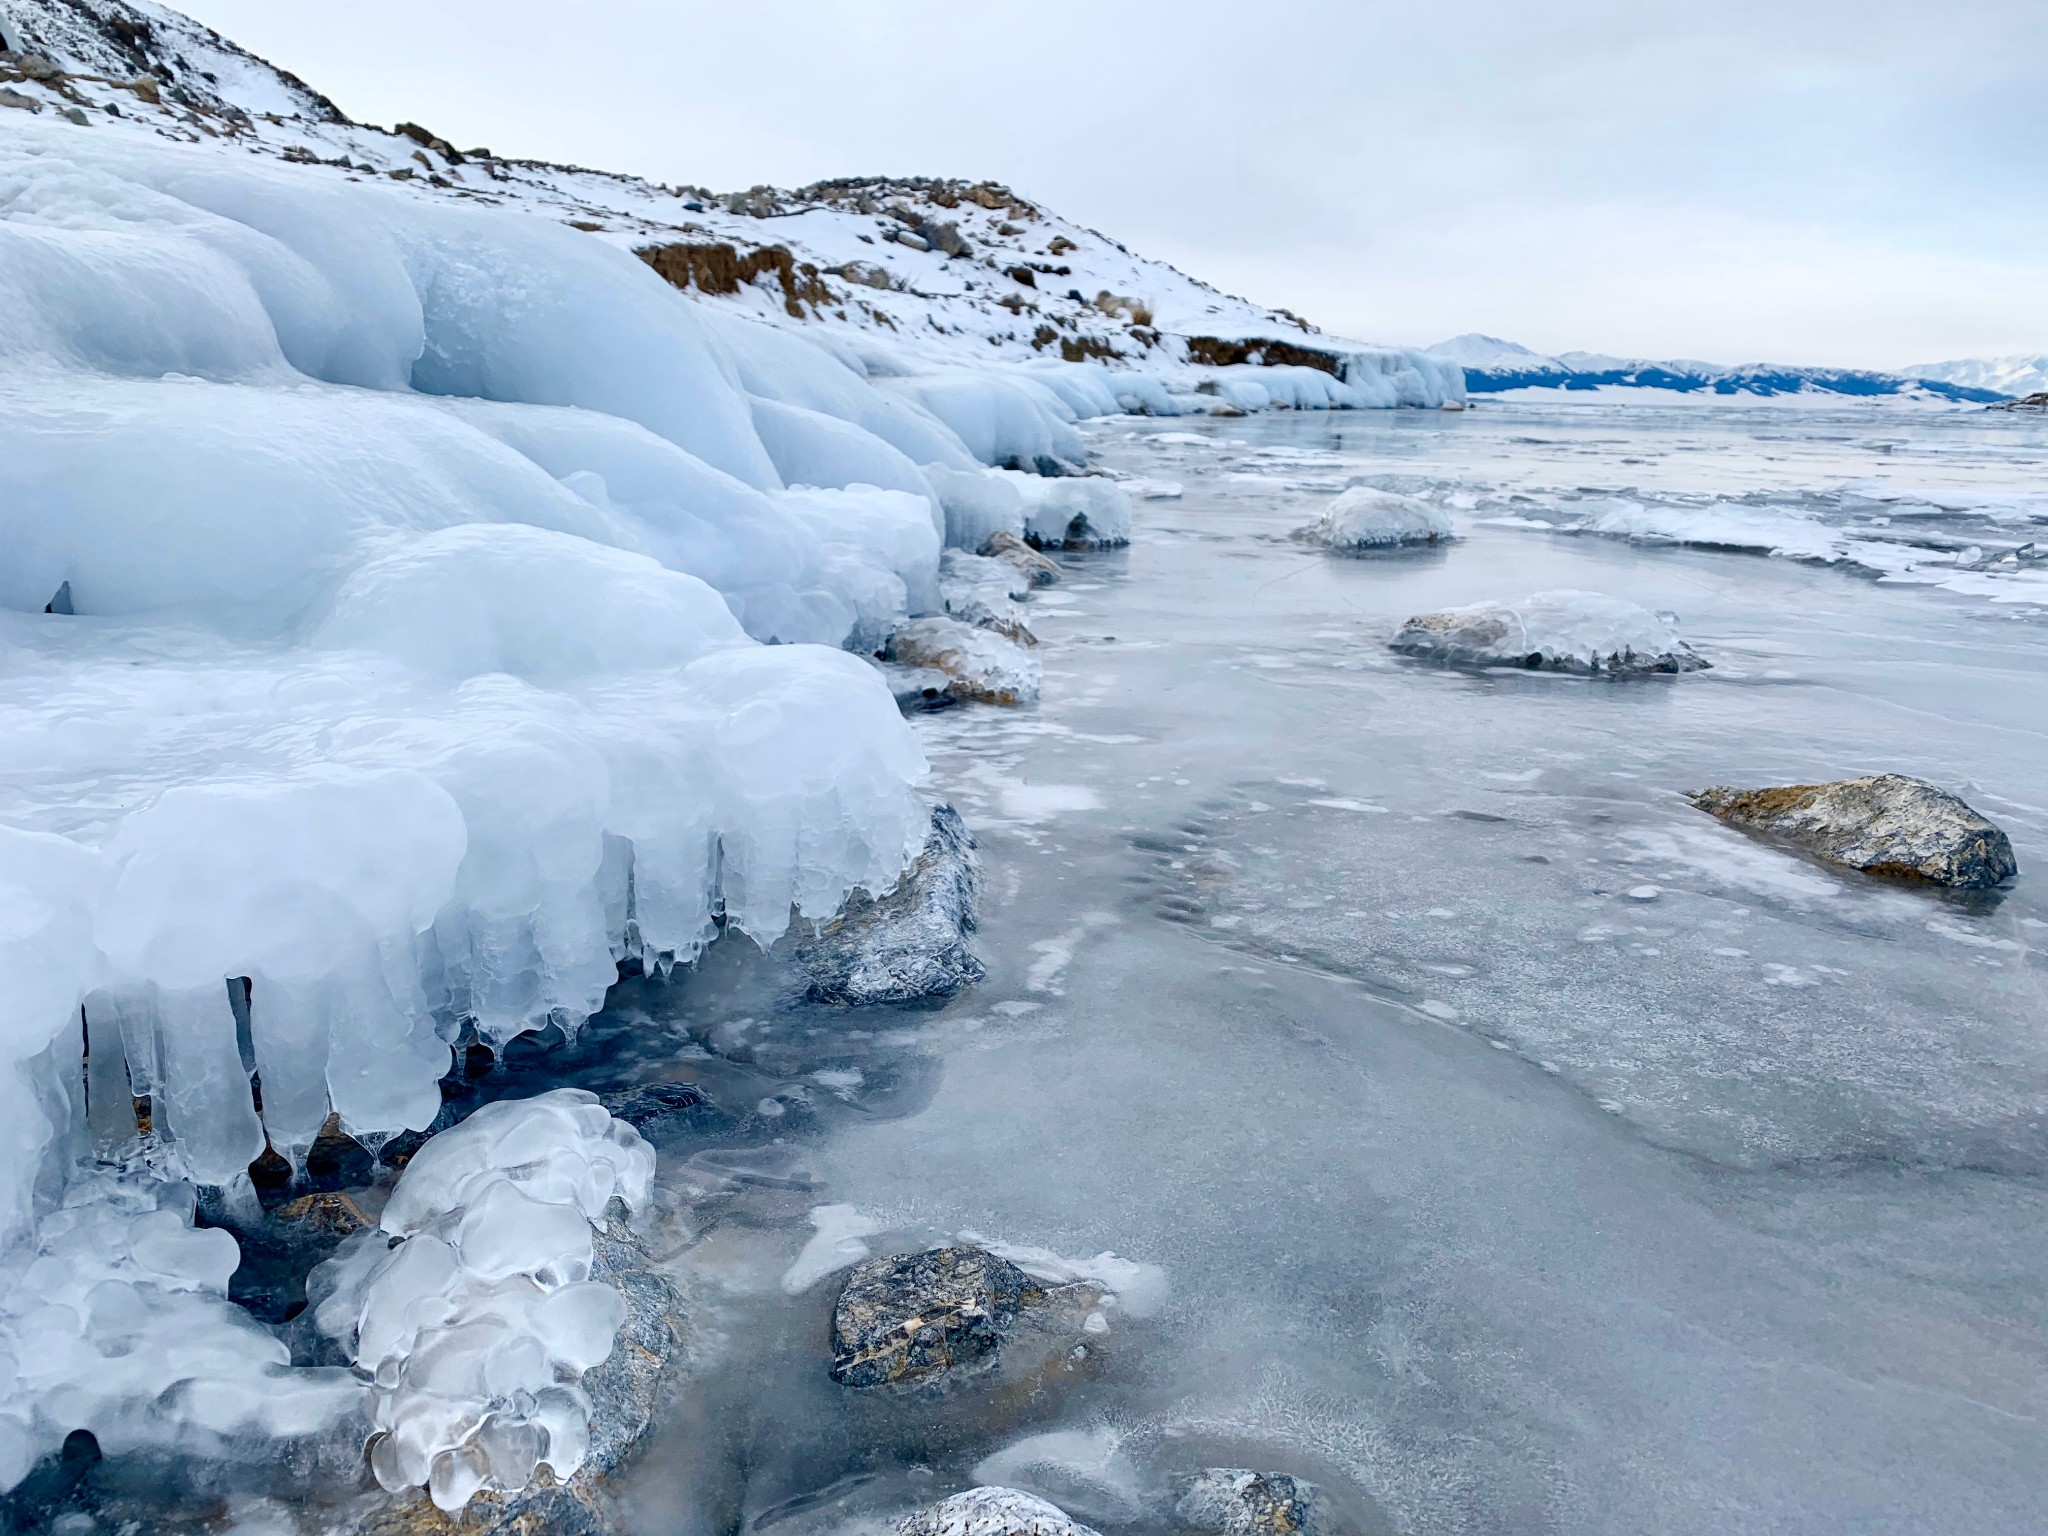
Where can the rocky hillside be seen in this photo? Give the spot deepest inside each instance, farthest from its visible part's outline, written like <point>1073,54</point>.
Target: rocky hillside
<point>940,271</point>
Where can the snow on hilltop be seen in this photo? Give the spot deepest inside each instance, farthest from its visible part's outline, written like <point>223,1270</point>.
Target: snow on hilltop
<point>916,271</point>
<point>427,583</point>
<point>2020,374</point>
<point>1496,367</point>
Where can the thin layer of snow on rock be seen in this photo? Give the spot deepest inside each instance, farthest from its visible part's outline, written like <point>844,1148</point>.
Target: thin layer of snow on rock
<point>471,1310</point>
<point>983,665</point>
<point>1363,518</point>
<point>1564,630</point>
<point>992,1512</point>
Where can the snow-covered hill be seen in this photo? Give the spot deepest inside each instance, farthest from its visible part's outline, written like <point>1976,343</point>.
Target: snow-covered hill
<point>1496,367</point>
<point>2023,373</point>
<point>906,272</point>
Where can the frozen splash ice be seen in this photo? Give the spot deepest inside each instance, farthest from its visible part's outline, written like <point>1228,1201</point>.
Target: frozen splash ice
<point>472,1311</point>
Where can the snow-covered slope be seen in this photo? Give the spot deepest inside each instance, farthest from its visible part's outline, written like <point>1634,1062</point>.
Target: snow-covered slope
<point>2022,373</point>
<point>1494,367</point>
<point>907,274</point>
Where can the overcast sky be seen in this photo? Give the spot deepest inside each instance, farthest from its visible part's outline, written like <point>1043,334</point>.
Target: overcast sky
<point>1802,180</point>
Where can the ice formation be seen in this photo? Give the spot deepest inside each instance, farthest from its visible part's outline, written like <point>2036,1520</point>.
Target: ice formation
<point>471,1310</point>
<point>1365,518</point>
<point>117,1321</point>
<point>1563,630</point>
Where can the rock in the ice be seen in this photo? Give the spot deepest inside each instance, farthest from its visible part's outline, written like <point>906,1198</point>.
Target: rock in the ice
<point>1005,545</point>
<point>991,1512</point>
<point>1364,518</point>
<point>1236,1502</point>
<point>1563,631</point>
<point>1886,824</point>
<point>917,1317</point>
<point>911,943</point>
<point>983,665</point>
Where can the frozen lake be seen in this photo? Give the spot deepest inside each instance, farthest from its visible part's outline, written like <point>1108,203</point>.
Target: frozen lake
<point>1523,1150</point>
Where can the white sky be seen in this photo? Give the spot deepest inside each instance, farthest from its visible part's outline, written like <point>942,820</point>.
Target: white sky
<point>1835,181</point>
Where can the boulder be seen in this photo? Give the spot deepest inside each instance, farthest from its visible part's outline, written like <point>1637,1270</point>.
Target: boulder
<point>991,1512</point>
<point>910,943</point>
<point>1235,1502</point>
<point>1364,519</point>
<point>1562,631</point>
<point>1885,824</point>
<point>984,667</point>
<point>922,1317</point>
<point>1042,570</point>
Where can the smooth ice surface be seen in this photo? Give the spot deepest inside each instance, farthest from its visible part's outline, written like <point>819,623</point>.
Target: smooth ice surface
<point>471,1311</point>
<point>1522,1149</point>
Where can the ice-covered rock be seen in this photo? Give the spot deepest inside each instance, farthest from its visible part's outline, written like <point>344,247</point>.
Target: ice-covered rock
<point>991,1512</point>
<point>473,1310</point>
<point>910,943</point>
<point>916,1317</point>
<point>1006,546</point>
<point>1235,1502</point>
<point>1885,824</point>
<point>1074,511</point>
<point>985,593</point>
<point>983,665</point>
<point>1564,631</point>
<point>1363,518</point>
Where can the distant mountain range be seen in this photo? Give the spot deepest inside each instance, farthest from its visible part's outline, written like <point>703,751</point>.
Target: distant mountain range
<point>1494,366</point>
<point>2021,374</point>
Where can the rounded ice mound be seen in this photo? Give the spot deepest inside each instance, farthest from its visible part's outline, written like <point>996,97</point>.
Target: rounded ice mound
<point>1563,631</point>
<point>1364,518</point>
<point>474,1327</point>
<point>541,605</point>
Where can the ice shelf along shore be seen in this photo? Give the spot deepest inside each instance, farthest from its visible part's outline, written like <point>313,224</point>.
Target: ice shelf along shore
<point>412,610</point>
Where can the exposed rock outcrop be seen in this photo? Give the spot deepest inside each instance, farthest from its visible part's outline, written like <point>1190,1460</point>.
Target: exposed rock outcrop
<point>1042,570</point>
<point>910,943</point>
<point>1885,824</point>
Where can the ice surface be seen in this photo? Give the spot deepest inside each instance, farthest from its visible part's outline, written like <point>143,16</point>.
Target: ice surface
<point>1484,1178</point>
<point>471,1311</point>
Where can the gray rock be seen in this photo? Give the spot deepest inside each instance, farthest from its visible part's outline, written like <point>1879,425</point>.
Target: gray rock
<point>946,238</point>
<point>991,1512</point>
<point>912,943</point>
<point>1886,824</point>
<point>917,1317</point>
<point>10,98</point>
<point>1237,1502</point>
